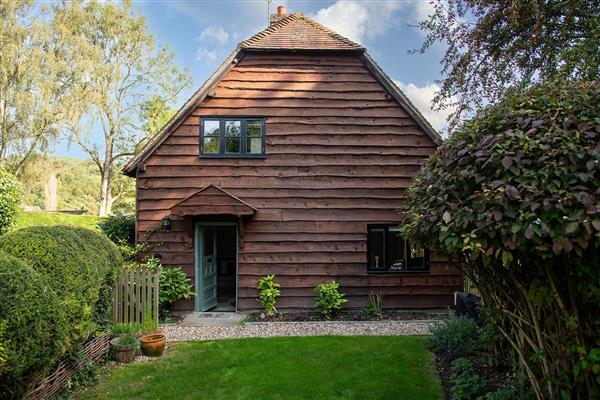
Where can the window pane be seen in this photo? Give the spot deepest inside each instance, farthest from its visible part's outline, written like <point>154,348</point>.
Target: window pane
<point>211,128</point>
<point>376,248</point>
<point>232,144</point>
<point>233,128</point>
<point>211,145</point>
<point>416,258</point>
<point>254,145</point>
<point>209,241</point>
<point>253,128</point>
<point>396,255</point>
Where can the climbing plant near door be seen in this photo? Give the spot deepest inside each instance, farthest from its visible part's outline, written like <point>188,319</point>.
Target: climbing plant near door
<point>174,285</point>
<point>268,292</point>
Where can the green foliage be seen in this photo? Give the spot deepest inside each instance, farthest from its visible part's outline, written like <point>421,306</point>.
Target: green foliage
<point>375,304</point>
<point>457,335</point>
<point>129,341</point>
<point>84,378</point>
<point>155,113</point>
<point>27,219</point>
<point>119,228</point>
<point>33,325</point>
<point>77,182</point>
<point>466,382</point>
<point>76,262</point>
<point>268,292</point>
<point>150,325</point>
<point>512,392</point>
<point>493,45</point>
<point>174,285</point>
<point>127,329</point>
<point>10,198</point>
<point>330,300</point>
<point>37,86</point>
<point>513,195</point>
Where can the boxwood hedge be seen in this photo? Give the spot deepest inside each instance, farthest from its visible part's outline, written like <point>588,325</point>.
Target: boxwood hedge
<point>34,329</point>
<point>70,272</point>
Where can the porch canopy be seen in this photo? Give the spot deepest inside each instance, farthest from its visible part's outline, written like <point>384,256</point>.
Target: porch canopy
<point>212,201</point>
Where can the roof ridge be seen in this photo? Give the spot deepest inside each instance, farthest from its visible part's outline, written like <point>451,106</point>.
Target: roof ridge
<point>254,41</point>
<point>328,31</point>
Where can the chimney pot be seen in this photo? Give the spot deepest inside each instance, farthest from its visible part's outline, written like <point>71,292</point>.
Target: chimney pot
<point>281,10</point>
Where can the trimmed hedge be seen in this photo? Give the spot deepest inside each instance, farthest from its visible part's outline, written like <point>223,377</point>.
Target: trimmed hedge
<point>10,197</point>
<point>34,329</point>
<point>76,261</point>
<point>74,266</point>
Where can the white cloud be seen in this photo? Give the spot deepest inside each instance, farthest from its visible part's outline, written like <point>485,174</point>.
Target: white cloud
<point>359,20</point>
<point>422,97</point>
<point>214,33</point>
<point>205,55</point>
<point>422,10</point>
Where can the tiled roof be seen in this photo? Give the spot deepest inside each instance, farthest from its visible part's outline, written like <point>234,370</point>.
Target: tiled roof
<point>296,31</point>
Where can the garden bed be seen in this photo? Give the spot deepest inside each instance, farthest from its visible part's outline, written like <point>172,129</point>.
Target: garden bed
<point>348,316</point>
<point>494,377</point>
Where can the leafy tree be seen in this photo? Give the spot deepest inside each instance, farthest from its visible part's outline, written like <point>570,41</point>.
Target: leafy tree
<point>37,85</point>
<point>492,45</point>
<point>512,198</point>
<point>155,113</point>
<point>123,69</point>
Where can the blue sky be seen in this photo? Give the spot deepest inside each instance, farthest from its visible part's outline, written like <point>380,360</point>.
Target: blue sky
<point>203,32</point>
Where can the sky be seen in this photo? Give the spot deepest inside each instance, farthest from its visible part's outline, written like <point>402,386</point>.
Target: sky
<point>202,33</point>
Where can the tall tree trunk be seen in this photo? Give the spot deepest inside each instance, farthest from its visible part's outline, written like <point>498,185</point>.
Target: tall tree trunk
<point>105,175</point>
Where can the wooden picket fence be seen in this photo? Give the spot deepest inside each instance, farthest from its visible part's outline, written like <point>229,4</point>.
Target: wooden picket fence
<point>133,294</point>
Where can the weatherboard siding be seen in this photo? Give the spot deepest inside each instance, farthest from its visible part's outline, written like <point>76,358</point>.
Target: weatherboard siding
<point>340,153</point>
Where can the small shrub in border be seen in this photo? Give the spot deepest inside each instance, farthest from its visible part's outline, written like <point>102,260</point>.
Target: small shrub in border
<point>34,326</point>
<point>467,384</point>
<point>457,335</point>
<point>268,292</point>
<point>330,300</point>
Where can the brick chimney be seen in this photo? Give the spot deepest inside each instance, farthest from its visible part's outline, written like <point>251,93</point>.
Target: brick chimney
<point>281,13</point>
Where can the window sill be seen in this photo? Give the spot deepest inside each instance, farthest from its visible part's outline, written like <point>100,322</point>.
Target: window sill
<point>391,272</point>
<point>259,156</point>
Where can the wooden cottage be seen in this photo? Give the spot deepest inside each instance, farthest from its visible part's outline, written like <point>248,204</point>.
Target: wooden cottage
<point>292,159</point>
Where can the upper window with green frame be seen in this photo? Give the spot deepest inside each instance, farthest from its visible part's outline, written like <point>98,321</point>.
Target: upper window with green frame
<point>232,137</point>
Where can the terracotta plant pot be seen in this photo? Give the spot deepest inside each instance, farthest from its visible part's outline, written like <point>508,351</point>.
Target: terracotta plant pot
<point>122,353</point>
<point>153,344</point>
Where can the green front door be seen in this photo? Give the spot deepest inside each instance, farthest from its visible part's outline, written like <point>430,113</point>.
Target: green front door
<point>206,267</point>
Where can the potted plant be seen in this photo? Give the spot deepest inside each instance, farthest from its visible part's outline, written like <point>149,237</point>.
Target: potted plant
<point>124,348</point>
<point>152,342</point>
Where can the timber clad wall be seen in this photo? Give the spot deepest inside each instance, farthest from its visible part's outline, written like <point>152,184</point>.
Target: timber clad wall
<point>340,154</point>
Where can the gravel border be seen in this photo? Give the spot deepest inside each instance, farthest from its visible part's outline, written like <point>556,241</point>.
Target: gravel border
<point>176,333</point>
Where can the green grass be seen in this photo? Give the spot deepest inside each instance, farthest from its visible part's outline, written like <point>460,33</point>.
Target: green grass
<point>28,218</point>
<point>326,367</point>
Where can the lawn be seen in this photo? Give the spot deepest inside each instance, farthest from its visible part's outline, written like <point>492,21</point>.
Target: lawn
<point>326,367</point>
<point>29,218</point>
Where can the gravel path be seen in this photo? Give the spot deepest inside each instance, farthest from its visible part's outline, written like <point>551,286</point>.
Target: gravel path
<point>175,333</point>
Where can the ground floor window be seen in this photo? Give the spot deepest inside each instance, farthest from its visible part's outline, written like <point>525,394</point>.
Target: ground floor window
<point>388,251</point>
